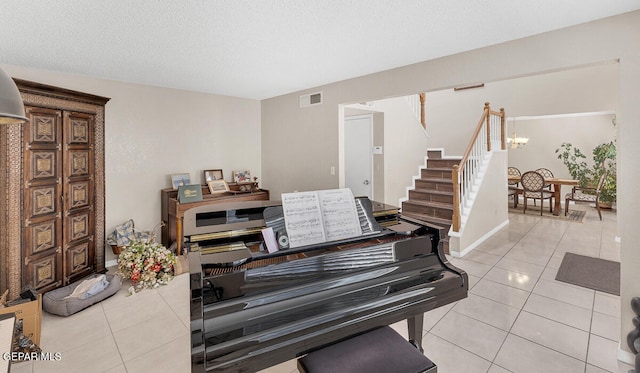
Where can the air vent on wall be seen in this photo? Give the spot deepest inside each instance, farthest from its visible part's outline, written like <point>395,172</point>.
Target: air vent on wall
<point>311,99</point>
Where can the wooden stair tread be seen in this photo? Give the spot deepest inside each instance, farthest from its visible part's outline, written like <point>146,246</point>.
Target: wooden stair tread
<point>438,169</point>
<point>442,205</point>
<point>441,192</point>
<point>435,180</point>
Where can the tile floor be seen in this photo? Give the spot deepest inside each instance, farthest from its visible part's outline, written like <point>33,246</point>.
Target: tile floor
<point>517,318</point>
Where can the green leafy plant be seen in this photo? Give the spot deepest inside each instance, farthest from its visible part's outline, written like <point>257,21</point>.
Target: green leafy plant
<point>576,163</point>
<point>604,158</point>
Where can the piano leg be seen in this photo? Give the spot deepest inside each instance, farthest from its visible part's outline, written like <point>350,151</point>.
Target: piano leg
<point>415,330</point>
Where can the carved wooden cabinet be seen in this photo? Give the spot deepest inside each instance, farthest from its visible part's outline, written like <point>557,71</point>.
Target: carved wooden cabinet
<point>58,192</point>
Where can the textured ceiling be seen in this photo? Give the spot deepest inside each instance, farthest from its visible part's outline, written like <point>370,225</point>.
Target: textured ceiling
<point>264,48</point>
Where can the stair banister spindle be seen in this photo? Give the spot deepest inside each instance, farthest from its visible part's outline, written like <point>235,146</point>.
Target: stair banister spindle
<point>423,97</point>
<point>487,110</point>
<point>503,139</point>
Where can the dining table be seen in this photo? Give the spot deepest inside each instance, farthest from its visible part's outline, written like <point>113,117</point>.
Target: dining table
<point>557,183</point>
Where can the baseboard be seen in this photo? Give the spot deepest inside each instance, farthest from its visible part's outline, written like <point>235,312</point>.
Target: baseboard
<point>111,263</point>
<point>626,356</point>
<point>477,242</point>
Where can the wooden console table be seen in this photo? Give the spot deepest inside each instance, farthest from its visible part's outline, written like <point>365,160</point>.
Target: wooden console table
<point>173,211</point>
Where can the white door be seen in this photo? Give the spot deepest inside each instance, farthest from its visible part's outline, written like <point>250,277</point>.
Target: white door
<point>358,145</point>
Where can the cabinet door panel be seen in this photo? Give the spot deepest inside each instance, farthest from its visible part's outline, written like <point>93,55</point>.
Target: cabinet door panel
<point>45,273</point>
<point>45,126</point>
<point>80,195</point>
<point>79,260</point>
<point>43,201</point>
<point>42,234</point>
<point>43,165</point>
<point>79,192</point>
<point>78,163</point>
<point>77,226</point>
<point>79,129</point>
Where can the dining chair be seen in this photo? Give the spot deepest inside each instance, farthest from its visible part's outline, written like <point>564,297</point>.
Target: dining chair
<point>546,173</point>
<point>514,190</point>
<point>533,185</point>
<point>513,171</point>
<point>592,194</point>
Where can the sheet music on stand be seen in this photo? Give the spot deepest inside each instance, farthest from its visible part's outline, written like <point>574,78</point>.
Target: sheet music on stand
<point>7,324</point>
<point>320,216</point>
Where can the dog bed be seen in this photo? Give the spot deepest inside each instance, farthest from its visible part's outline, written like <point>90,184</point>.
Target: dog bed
<point>59,303</point>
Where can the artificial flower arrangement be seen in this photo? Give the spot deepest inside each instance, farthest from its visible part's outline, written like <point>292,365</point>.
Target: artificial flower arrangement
<point>147,264</point>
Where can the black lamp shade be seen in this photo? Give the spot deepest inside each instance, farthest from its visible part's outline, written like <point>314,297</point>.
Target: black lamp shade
<point>11,106</point>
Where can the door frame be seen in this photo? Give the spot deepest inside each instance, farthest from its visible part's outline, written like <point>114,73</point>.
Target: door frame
<point>377,174</point>
<point>372,176</point>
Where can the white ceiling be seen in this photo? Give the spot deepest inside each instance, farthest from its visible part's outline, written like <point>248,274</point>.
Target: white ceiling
<point>264,48</point>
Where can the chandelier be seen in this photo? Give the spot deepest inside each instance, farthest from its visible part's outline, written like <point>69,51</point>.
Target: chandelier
<point>514,141</point>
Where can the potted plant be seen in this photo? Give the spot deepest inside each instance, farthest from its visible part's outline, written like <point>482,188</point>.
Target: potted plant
<point>604,159</point>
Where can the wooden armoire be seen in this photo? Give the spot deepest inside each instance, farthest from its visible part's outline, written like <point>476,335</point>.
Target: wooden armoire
<point>53,228</point>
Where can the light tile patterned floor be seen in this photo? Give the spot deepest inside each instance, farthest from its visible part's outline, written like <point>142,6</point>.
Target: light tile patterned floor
<point>517,318</point>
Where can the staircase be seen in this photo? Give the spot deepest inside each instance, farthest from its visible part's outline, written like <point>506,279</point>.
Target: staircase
<point>431,199</point>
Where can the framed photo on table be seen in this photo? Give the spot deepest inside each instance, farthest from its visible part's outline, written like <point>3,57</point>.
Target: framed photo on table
<point>212,175</point>
<point>218,186</point>
<point>243,176</point>
<point>178,180</point>
<point>189,193</point>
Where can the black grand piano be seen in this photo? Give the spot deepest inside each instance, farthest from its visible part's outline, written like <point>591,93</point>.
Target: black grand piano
<point>251,309</point>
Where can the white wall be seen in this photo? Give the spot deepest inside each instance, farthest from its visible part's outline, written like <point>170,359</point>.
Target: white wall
<point>153,132</point>
<point>405,150</point>
<point>547,134</point>
<point>580,90</point>
<point>489,212</point>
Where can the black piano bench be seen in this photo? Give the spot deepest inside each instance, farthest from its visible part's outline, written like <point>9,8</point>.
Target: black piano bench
<point>381,350</point>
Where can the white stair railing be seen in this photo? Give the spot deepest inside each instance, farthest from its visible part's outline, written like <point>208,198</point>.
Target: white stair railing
<point>490,130</point>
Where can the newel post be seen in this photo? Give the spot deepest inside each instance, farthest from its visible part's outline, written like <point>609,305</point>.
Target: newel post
<point>423,98</point>
<point>455,220</point>
<point>503,130</point>
<point>487,113</point>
